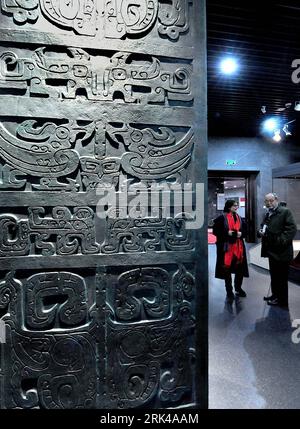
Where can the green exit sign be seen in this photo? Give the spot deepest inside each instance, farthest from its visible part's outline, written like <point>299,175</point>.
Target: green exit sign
<point>231,162</point>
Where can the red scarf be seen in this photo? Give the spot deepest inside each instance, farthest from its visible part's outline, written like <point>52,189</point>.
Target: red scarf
<point>235,250</point>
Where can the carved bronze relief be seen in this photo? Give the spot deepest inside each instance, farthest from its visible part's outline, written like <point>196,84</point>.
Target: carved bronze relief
<point>114,19</point>
<point>50,153</point>
<point>50,356</point>
<point>142,235</point>
<point>63,232</point>
<point>55,350</point>
<point>151,360</point>
<point>99,307</point>
<point>126,77</point>
<point>67,231</point>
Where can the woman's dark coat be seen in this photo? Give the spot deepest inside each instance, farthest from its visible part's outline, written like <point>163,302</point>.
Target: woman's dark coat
<point>220,230</point>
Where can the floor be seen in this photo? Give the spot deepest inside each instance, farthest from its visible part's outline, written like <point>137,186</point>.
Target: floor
<point>253,362</point>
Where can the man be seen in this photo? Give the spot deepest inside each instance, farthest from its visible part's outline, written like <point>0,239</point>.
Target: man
<point>277,231</point>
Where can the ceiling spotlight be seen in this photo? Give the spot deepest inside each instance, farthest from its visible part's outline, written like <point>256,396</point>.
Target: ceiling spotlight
<point>229,66</point>
<point>285,129</point>
<point>297,106</point>
<point>271,125</point>
<point>277,137</point>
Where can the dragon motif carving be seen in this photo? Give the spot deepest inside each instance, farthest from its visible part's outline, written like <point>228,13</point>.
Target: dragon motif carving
<point>74,233</point>
<point>119,18</point>
<point>124,78</point>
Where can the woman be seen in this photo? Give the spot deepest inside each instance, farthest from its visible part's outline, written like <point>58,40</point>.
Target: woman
<point>231,253</point>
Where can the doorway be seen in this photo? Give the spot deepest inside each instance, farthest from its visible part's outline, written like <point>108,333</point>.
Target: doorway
<point>239,185</point>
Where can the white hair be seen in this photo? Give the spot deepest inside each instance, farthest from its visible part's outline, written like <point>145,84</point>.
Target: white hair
<point>275,196</point>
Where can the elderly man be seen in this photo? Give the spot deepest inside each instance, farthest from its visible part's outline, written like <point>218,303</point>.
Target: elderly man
<point>277,231</point>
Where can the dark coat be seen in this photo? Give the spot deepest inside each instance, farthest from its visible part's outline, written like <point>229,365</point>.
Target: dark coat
<point>278,240</point>
<point>220,230</point>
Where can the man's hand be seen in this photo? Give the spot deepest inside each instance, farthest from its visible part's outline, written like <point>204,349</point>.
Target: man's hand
<point>239,234</point>
<point>230,232</point>
<point>262,231</point>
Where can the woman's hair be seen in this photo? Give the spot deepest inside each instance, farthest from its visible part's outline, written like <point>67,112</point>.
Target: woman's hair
<point>228,205</point>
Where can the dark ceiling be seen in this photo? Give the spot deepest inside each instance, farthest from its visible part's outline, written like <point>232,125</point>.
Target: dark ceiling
<point>265,38</point>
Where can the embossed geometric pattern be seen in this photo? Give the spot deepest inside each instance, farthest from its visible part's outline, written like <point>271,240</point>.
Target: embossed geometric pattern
<point>99,312</point>
<point>107,18</point>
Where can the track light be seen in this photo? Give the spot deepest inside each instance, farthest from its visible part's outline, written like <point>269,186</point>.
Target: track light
<point>285,129</point>
<point>229,66</point>
<point>271,125</point>
<point>277,137</point>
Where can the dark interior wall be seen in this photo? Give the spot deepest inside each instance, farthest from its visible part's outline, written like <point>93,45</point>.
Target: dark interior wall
<point>252,154</point>
<point>289,191</point>
<point>214,185</point>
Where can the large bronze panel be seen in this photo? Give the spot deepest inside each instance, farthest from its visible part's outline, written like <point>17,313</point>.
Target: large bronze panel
<point>101,311</point>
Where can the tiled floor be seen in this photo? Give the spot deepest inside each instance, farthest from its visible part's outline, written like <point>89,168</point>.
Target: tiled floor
<point>253,363</point>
